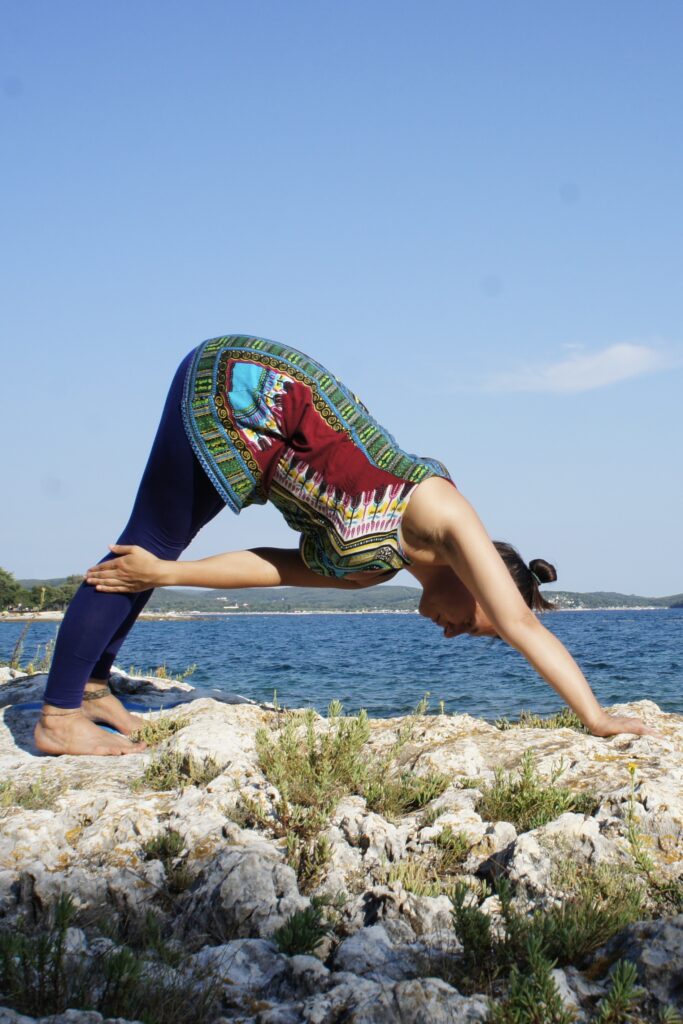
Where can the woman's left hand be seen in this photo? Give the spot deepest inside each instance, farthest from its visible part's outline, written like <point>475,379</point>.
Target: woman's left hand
<point>613,725</point>
<point>135,569</point>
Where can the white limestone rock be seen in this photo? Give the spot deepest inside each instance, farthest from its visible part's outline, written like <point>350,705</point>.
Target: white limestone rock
<point>371,953</point>
<point>251,964</point>
<point>423,1001</point>
<point>569,837</point>
<point>246,893</point>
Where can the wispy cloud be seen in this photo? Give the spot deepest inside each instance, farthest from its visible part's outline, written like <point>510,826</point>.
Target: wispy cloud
<point>585,371</point>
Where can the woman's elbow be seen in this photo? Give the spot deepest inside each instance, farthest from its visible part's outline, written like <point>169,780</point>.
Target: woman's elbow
<point>514,629</point>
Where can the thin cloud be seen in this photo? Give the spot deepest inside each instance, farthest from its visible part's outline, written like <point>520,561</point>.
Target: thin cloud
<point>585,371</point>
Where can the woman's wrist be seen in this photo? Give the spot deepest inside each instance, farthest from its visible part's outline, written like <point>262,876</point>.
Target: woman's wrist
<point>167,575</point>
<point>594,721</point>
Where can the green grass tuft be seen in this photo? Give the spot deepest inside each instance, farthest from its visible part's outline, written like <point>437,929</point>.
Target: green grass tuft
<point>314,768</point>
<point>563,719</point>
<point>175,770</point>
<point>31,796</point>
<point>527,800</point>
<point>303,931</point>
<point>159,729</point>
<point>38,978</point>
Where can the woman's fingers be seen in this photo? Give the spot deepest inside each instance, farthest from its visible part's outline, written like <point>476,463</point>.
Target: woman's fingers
<point>612,725</point>
<point>134,569</point>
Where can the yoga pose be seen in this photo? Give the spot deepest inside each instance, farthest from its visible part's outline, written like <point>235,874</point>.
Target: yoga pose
<point>248,421</point>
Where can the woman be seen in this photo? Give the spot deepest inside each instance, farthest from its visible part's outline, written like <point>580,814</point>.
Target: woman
<point>248,421</point>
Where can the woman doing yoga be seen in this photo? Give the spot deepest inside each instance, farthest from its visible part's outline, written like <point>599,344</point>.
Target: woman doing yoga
<point>248,421</point>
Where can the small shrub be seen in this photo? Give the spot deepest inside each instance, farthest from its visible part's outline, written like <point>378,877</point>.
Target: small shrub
<point>623,997</point>
<point>309,858</point>
<point>563,719</point>
<point>453,847</point>
<point>38,978</point>
<point>164,846</point>
<point>604,884</point>
<point>167,846</point>
<point>162,672</point>
<point>564,934</point>
<point>533,996</point>
<point>527,800</point>
<point>154,732</point>
<point>468,782</point>
<point>42,660</point>
<point>315,769</point>
<point>393,797</point>
<point>31,796</point>
<point>175,770</point>
<point>430,815</point>
<point>416,876</point>
<point>303,931</point>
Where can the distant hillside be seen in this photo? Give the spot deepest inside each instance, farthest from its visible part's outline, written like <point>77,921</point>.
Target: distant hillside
<point>609,599</point>
<point>381,598</point>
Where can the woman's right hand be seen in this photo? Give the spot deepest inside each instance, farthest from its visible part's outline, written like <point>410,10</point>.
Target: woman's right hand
<point>614,725</point>
<point>133,570</point>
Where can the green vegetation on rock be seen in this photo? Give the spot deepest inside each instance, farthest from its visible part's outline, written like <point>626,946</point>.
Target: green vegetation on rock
<point>313,768</point>
<point>174,769</point>
<point>528,801</point>
<point>39,977</point>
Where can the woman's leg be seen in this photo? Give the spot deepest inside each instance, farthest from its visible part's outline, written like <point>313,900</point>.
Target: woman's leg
<point>174,501</point>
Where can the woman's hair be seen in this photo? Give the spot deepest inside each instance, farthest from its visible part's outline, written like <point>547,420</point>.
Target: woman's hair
<point>528,577</point>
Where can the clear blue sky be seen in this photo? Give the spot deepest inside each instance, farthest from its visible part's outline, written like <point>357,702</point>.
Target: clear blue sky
<point>470,211</point>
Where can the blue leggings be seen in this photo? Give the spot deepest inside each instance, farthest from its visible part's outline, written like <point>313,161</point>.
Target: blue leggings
<point>175,499</point>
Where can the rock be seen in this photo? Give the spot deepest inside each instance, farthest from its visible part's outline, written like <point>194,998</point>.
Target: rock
<point>251,964</point>
<point>124,684</point>
<point>489,855</point>
<point>570,837</point>
<point>376,838</point>
<point>90,845</point>
<point>656,948</point>
<point>308,974</point>
<point>422,915</point>
<point>345,862</point>
<point>8,1016</point>
<point>567,995</point>
<point>75,941</point>
<point>530,865</point>
<point>245,892</point>
<point>371,953</point>
<point>424,1001</point>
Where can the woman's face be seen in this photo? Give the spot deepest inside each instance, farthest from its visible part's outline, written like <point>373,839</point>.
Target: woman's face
<point>449,604</point>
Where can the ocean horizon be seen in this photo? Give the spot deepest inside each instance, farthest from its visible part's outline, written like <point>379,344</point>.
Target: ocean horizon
<point>386,662</point>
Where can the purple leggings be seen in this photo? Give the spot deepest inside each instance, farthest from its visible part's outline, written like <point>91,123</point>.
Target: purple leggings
<point>175,499</point>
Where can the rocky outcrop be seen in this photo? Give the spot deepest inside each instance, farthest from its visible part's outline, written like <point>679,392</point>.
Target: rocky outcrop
<point>224,891</point>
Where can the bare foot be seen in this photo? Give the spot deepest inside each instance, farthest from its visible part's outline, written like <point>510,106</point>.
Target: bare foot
<point>109,709</point>
<point>76,734</point>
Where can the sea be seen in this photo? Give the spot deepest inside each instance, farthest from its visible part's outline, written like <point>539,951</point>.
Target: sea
<point>388,662</point>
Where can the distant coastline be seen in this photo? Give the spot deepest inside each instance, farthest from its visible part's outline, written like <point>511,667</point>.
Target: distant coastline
<point>194,615</point>
<point>189,603</point>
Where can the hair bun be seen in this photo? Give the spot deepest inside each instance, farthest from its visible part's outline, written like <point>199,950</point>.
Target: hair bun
<point>544,570</point>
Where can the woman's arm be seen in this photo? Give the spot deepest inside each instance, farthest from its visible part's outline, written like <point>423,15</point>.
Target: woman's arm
<point>441,519</point>
<point>136,569</point>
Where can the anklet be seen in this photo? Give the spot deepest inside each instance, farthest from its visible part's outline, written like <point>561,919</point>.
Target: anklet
<point>61,714</point>
<point>96,694</point>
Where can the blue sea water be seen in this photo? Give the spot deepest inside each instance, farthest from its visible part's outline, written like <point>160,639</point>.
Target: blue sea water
<point>386,662</point>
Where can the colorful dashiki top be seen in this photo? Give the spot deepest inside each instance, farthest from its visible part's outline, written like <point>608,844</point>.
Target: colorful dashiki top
<point>268,423</point>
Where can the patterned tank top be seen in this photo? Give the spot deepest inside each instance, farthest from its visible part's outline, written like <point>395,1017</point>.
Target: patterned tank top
<point>268,423</point>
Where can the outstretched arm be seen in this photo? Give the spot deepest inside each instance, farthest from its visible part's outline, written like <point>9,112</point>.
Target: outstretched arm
<point>442,520</point>
<point>135,569</point>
